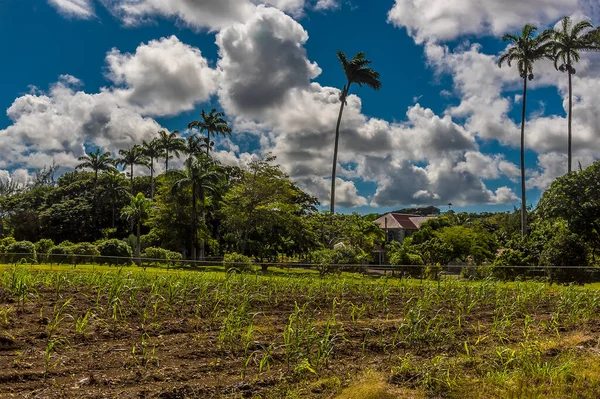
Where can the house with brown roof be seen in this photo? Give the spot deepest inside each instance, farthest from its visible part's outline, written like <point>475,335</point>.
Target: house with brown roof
<point>398,226</point>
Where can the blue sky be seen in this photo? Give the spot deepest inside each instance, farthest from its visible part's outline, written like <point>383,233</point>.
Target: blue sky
<point>443,128</point>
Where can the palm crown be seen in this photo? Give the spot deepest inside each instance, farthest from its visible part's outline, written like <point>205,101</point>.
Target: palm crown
<point>570,40</point>
<point>133,156</point>
<point>152,150</point>
<point>527,48</point>
<point>357,71</point>
<point>213,123</point>
<point>171,144</point>
<point>97,161</point>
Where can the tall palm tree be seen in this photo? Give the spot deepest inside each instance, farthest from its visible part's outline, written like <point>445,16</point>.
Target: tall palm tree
<point>213,123</point>
<point>137,212</point>
<point>97,161</point>
<point>201,176</point>
<point>567,43</point>
<point>526,49</point>
<point>358,72</point>
<point>171,145</point>
<point>114,186</point>
<point>152,150</point>
<point>131,157</point>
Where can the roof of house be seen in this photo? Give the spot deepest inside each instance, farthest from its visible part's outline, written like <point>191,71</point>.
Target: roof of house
<point>402,221</point>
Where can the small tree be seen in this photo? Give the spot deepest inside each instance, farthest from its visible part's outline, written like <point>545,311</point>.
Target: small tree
<point>137,212</point>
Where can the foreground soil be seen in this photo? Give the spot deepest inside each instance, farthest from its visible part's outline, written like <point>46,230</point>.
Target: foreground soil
<point>209,335</point>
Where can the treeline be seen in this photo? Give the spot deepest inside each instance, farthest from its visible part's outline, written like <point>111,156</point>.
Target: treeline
<point>203,210</point>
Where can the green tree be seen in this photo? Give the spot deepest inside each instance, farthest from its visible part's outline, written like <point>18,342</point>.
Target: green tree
<point>113,185</point>
<point>575,198</point>
<point>213,123</point>
<point>153,150</point>
<point>137,212</point>
<point>201,176</point>
<point>567,43</point>
<point>98,161</point>
<point>171,145</point>
<point>131,157</point>
<point>357,71</point>
<point>526,49</point>
<point>261,203</point>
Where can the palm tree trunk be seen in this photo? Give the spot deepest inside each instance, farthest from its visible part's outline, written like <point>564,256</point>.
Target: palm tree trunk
<point>335,148</point>
<point>194,223</point>
<point>202,199</point>
<point>208,142</point>
<point>152,179</point>
<point>523,199</point>
<point>131,179</point>
<point>137,244</point>
<point>570,156</point>
<point>166,160</point>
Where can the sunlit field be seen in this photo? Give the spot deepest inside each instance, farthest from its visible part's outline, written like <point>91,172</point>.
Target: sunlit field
<point>172,334</point>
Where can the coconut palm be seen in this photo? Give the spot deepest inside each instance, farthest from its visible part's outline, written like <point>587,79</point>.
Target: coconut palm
<point>152,150</point>
<point>201,176</point>
<point>131,157</point>
<point>97,161</point>
<point>213,123</point>
<point>171,145</point>
<point>358,72</point>
<point>526,49</point>
<point>567,43</point>
<point>137,212</point>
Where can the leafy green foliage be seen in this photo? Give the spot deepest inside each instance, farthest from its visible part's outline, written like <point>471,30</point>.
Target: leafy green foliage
<point>84,252</point>
<point>61,254</point>
<point>42,249</point>
<point>21,250</point>
<point>237,262</point>
<point>114,252</point>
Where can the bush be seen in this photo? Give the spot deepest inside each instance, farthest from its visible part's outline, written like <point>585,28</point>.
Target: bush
<point>21,251</point>
<point>237,262</point>
<point>42,249</point>
<point>61,254</point>
<point>84,252</point>
<point>161,255</point>
<point>565,249</point>
<point>114,252</point>
<point>405,263</point>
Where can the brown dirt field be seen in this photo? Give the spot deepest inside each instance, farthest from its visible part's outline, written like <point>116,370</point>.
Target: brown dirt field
<point>180,352</point>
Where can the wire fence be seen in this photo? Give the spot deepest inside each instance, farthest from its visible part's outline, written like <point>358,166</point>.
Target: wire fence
<point>215,262</point>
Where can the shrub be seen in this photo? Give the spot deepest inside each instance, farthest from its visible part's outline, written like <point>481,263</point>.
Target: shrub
<point>152,239</point>
<point>21,251</point>
<point>5,242</point>
<point>42,249</point>
<point>61,254</point>
<point>406,261</point>
<point>565,249</point>
<point>161,255</point>
<point>84,252</point>
<point>237,262</point>
<point>115,252</point>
